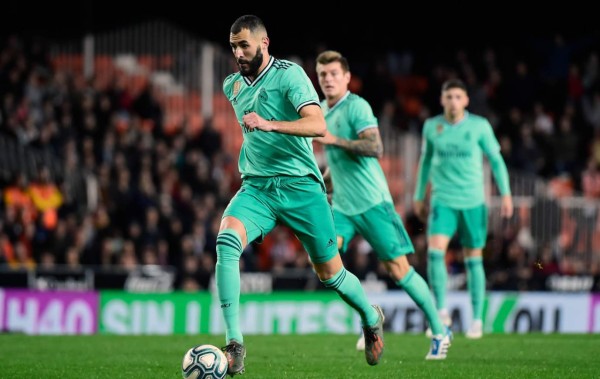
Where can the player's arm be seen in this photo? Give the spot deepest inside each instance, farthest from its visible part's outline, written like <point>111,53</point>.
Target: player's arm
<point>491,147</point>
<point>368,143</point>
<point>310,124</point>
<point>500,173</point>
<point>422,177</point>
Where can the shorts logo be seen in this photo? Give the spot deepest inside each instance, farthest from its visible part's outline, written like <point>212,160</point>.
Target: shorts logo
<point>226,305</point>
<point>330,243</point>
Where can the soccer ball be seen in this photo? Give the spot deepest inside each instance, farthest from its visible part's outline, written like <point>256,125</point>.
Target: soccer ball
<point>204,362</point>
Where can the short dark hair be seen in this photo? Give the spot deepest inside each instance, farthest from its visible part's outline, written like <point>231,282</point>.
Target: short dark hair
<point>250,22</point>
<point>454,83</point>
<point>331,56</point>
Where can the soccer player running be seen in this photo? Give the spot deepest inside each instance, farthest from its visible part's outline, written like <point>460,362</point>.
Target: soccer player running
<point>452,157</point>
<point>278,110</point>
<point>362,203</point>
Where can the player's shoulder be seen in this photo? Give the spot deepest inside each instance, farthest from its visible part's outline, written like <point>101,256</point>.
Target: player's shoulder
<point>229,80</point>
<point>356,99</point>
<point>284,64</point>
<point>357,103</point>
<point>434,120</point>
<point>477,118</point>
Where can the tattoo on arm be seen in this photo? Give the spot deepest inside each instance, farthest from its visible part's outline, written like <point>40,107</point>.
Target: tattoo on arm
<point>368,144</point>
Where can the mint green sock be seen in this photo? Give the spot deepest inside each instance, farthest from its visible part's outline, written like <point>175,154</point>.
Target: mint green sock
<point>476,285</point>
<point>416,287</point>
<point>347,285</point>
<point>437,275</point>
<point>227,276</point>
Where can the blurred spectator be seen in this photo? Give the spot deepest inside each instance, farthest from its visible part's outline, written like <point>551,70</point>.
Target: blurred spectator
<point>209,140</point>
<point>546,218</point>
<point>521,88</point>
<point>565,148</point>
<point>17,198</point>
<point>128,258</point>
<point>528,156</point>
<point>47,260</point>
<point>283,250</point>
<point>514,273</point>
<point>21,259</point>
<point>73,258</point>
<point>47,198</point>
<point>543,124</point>
<point>591,180</point>
<point>591,109</point>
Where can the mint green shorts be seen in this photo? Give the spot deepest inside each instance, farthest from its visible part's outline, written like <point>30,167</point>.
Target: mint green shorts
<point>470,224</point>
<point>299,203</point>
<point>380,226</point>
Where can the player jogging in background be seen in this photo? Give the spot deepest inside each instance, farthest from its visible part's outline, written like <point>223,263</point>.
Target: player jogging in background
<point>278,110</point>
<point>453,145</point>
<point>362,203</point>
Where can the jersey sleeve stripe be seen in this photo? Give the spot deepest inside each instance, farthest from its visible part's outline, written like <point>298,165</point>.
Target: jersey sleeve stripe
<point>365,128</point>
<point>307,103</point>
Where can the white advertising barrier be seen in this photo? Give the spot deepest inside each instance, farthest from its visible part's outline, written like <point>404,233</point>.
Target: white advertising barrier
<point>118,312</point>
<point>505,312</point>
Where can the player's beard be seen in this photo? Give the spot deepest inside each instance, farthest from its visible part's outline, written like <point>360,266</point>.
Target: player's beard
<point>253,65</point>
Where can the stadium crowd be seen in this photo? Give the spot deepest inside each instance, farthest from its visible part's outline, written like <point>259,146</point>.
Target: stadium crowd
<point>125,193</point>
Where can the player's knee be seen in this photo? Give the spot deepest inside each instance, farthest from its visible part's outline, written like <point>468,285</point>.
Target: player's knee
<point>438,242</point>
<point>229,245</point>
<point>397,268</point>
<point>329,269</point>
<point>473,252</point>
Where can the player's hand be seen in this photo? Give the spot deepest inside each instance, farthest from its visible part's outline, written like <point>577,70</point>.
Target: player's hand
<point>420,210</point>
<point>506,209</point>
<point>253,121</point>
<point>327,139</point>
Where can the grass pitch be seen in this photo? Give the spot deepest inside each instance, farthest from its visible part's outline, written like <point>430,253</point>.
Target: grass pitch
<point>306,356</point>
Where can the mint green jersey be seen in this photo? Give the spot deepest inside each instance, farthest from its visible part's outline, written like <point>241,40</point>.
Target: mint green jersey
<point>358,181</point>
<point>454,153</point>
<point>278,93</point>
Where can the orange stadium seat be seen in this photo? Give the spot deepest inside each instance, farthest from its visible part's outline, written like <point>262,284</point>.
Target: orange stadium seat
<point>193,101</point>
<point>103,63</point>
<point>175,103</point>
<point>172,123</point>
<point>165,62</point>
<point>137,83</point>
<point>147,61</point>
<point>396,184</point>
<point>67,62</point>
<point>386,163</point>
<point>195,123</point>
